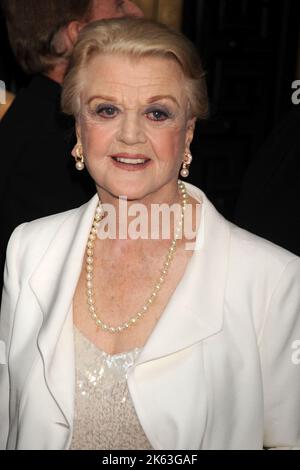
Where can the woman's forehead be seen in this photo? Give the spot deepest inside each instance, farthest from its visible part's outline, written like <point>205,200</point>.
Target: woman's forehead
<point>147,63</point>
<point>142,78</point>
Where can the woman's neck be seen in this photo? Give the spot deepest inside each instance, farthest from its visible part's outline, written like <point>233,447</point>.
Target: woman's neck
<point>137,224</point>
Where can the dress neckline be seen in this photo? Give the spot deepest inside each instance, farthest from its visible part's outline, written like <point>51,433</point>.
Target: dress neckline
<point>131,353</point>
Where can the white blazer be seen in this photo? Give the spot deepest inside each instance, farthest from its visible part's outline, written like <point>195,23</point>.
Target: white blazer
<point>219,371</point>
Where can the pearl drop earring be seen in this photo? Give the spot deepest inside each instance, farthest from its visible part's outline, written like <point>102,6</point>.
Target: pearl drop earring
<point>187,160</point>
<point>79,159</point>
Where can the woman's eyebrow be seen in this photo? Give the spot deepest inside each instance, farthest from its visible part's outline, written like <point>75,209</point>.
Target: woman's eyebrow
<point>102,97</point>
<point>152,99</point>
<point>163,97</point>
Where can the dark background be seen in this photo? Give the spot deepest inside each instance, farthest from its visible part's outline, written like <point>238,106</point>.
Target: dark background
<point>250,54</point>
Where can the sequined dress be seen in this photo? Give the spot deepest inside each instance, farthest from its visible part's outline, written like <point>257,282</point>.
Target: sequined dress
<point>105,417</point>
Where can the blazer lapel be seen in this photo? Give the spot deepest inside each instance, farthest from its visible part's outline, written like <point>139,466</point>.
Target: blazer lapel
<point>54,283</point>
<point>173,407</point>
<point>195,310</point>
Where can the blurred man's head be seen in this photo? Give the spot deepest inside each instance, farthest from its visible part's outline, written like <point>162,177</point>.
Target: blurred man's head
<point>114,9</point>
<point>42,33</point>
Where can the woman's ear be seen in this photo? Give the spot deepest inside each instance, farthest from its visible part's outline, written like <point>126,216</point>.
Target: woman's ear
<point>78,137</point>
<point>78,130</point>
<point>73,152</point>
<point>190,129</point>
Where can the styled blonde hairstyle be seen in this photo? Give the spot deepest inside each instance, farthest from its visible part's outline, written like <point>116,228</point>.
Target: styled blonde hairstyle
<point>136,38</point>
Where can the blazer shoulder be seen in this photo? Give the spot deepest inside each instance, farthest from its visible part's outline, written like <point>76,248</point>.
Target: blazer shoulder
<point>257,269</point>
<point>257,251</point>
<point>51,222</point>
<point>35,236</point>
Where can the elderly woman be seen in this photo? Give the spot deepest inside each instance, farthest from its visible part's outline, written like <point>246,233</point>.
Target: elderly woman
<point>110,340</point>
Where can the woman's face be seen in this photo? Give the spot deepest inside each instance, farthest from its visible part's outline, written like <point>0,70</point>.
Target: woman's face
<point>134,125</point>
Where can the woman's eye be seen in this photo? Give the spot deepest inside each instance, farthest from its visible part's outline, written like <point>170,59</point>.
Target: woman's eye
<point>158,115</point>
<point>107,112</point>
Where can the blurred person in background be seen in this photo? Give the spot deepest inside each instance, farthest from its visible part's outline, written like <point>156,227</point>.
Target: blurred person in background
<point>268,204</point>
<point>37,177</point>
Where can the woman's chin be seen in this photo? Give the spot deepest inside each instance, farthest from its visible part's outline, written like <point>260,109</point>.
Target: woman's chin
<point>131,192</point>
<point>132,195</point>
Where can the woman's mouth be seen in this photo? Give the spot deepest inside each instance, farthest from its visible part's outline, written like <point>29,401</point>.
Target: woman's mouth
<point>130,162</point>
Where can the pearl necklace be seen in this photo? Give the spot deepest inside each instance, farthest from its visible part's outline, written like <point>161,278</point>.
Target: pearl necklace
<point>90,268</point>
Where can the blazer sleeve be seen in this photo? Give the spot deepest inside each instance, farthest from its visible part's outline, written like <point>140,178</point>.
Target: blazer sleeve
<point>8,306</point>
<point>280,360</point>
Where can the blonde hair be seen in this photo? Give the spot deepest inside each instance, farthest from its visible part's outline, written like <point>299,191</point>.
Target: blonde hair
<point>137,38</point>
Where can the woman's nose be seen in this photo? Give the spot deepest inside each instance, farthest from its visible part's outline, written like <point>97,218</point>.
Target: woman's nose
<point>131,131</point>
